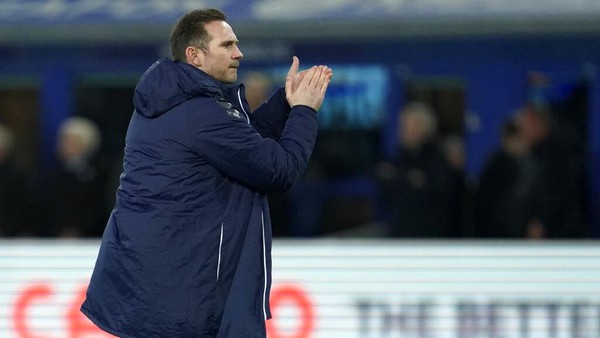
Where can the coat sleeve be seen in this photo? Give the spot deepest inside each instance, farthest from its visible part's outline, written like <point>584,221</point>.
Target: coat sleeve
<point>235,148</point>
<point>270,117</point>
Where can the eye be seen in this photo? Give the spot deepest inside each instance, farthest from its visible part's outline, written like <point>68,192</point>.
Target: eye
<point>228,44</point>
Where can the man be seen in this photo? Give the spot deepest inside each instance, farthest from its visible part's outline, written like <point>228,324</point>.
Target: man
<point>550,190</point>
<point>419,186</point>
<point>497,211</point>
<point>74,198</point>
<point>186,251</point>
<point>14,190</point>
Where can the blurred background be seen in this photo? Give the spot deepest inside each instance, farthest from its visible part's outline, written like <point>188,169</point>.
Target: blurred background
<point>466,120</point>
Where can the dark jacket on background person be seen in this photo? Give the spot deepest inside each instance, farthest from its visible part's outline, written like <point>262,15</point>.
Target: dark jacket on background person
<point>425,196</point>
<point>553,195</point>
<point>187,249</point>
<point>74,200</point>
<point>15,203</point>
<point>497,211</point>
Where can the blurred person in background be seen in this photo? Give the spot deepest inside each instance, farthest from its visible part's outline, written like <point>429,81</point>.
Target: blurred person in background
<point>419,186</point>
<point>497,211</point>
<point>453,147</point>
<point>258,88</point>
<point>549,191</point>
<point>187,249</point>
<point>74,190</point>
<point>15,206</point>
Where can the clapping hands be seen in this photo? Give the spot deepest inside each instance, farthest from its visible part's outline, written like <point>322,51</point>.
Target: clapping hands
<point>307,87</point>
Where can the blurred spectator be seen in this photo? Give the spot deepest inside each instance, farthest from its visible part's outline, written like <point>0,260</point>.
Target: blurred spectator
<point>419,185</point>
<point>75,188</point>
<point>14,191</point>
<point>497,211</point>
<point>550,190</point>
<point>453,147</point>
<point>454,150</point>
<point>258,88</point>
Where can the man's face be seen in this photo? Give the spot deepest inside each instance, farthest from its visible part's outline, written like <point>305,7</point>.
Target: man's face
<point>413,132</point>
<point>222,56</point>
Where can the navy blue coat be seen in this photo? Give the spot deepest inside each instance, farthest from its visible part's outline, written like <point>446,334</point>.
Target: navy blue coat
<point>187,249</point>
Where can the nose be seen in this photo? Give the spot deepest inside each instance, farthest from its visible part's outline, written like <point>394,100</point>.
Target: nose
<point>237,53</point>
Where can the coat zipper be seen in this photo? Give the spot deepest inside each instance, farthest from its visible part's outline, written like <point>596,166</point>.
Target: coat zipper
<point>239,93</point>
<point>264,265</point>
<point>262,216</point>
<point>220,248</point>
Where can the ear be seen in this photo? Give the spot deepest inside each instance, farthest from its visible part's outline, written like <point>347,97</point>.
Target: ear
<point>194,56</point>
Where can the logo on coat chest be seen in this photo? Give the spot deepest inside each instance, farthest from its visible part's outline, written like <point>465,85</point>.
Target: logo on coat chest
<point>230,109</point>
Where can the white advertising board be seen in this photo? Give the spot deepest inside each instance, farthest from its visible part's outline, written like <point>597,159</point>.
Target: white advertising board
<point>350,289</point>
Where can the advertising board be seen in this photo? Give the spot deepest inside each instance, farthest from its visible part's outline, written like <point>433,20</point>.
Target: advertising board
<point>329,288</point>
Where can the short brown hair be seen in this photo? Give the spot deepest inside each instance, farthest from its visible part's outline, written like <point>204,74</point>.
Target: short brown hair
<point>190,31</point>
